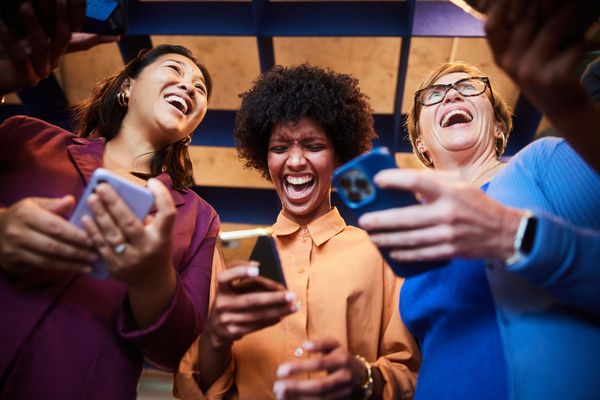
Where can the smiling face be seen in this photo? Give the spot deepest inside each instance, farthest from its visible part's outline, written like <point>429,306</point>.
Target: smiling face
<point>301,161</point>
<point>458,126</point>
<point>168,99</point>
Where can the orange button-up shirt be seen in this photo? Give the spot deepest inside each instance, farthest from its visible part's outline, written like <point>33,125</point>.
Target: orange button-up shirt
<point>345,290</point>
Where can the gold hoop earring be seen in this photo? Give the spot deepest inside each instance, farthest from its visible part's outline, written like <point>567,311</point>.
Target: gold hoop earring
<point>187,141</point>
<point>123,99</point>
<point>500,145</point>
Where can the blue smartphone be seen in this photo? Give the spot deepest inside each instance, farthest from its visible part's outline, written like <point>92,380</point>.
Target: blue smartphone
<point>138,199</point>
<point>355,187</point>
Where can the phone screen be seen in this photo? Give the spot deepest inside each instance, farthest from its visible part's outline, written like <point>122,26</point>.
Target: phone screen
<point>257,245</point>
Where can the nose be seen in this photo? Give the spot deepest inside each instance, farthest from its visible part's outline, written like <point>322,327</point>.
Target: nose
<point>186,87</point>
<point>296,158</point>
<point>453,95</point>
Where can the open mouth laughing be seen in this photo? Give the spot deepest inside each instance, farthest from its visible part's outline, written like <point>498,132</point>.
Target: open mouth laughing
<point>455,116</point>
<point>297,187</point>
<point>180,103</point>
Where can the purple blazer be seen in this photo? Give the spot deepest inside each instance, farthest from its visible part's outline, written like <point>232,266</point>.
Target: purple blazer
<point>70,336</point>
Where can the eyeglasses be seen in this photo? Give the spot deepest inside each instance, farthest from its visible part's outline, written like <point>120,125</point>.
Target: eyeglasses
<point>472,86</point>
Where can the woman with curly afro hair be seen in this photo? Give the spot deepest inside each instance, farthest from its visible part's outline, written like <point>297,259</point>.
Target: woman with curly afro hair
<point>335,332</point>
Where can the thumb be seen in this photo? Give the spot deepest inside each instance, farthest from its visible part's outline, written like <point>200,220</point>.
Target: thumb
<point>60,206</point>
<point>165,208</point>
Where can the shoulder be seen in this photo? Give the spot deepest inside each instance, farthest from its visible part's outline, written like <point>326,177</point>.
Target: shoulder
<point>356,241</point>
<point>22,127</point>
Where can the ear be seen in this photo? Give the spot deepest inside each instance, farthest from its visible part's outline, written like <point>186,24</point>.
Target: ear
<point>500,129</point>
<point>420,145</point>
<point>126,86</point>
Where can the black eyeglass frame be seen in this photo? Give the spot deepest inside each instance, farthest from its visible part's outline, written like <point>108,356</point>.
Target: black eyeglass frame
<point>449,86</point>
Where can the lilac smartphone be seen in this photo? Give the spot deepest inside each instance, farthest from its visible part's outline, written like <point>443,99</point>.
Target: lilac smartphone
<point>138,199</point>
<point>354,184</point>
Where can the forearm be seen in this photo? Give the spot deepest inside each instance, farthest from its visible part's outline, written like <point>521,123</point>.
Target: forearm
<point>215,354</point>
<point>150,298</point>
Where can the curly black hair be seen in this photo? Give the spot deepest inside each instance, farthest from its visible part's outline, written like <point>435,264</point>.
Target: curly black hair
<point>287,94</point>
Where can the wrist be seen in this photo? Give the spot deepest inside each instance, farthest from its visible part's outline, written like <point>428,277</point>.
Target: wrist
<point>523,239</point>
<point>367,382</point>
<point>510,226</point>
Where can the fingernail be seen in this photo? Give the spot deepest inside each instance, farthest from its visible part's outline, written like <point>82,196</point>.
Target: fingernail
<point>283,371</point>
<point>308,345</point>
<point>290,296</point>
<point>252,270</point>
<point>296,307</point>
<point>279,390</point>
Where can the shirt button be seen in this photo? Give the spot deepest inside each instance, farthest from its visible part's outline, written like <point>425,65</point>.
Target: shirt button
<point>298,352</point>
<point>304,229</point>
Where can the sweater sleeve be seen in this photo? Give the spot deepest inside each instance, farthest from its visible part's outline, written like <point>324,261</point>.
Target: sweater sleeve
<point>165,342</point>
<point>563,192</point>
<point>564,260</point>
<point>399,355</point>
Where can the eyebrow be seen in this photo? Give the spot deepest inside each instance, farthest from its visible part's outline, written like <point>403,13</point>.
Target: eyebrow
<point>201,77</point>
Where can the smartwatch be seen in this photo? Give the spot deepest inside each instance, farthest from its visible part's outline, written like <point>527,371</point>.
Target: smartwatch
<point>524,238</point>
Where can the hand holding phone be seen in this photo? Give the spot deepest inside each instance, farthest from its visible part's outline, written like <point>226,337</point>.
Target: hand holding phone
<point>355,186</point>
<point>138,199</point>
<point>256,245</point>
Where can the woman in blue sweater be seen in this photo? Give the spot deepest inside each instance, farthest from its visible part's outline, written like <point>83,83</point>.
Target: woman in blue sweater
<point>516,313</point>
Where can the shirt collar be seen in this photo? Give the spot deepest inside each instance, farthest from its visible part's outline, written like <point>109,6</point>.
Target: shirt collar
<point>87,156</point>
<point>321,229</point>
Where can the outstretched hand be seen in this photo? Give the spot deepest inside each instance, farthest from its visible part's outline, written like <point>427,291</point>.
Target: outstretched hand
<point>456,219</point>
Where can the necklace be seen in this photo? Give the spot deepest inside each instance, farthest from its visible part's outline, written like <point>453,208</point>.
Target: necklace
<point>485,172</point>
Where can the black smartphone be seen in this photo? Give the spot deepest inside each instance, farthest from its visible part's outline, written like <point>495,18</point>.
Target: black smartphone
<point>354,184</point>
<point>253,244</point>
<point>105,17</point>
<point>138,199</point>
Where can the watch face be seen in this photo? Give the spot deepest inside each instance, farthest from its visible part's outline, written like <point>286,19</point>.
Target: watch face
<point>529,235</point>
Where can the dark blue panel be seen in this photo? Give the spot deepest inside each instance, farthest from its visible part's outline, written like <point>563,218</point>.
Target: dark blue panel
<point>525,123</point>
<point>48,102</point>
<point>275,19</point>
<point>444,19</point>
<point>217,130</point>
<point>266,53</point>
<point>253,206</point>
<point>9,110</point>
<point>190,18</point>
<point>130,46</point>
<point>248,206</point>
<point>336,19</point>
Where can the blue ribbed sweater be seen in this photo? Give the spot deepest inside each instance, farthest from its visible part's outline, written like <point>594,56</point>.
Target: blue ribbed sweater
<point>548,305</point>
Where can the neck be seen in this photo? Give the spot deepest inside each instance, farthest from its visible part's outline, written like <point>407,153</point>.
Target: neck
<point>469,168</point>
<point>129,151</point>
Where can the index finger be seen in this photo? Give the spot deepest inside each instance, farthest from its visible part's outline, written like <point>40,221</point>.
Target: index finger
<point>165,215</point>
<point>59,228</point>
<point>127,222</point>
<point>429,184</point>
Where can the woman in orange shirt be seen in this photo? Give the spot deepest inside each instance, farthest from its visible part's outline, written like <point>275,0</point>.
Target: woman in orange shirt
<point>336,332</point>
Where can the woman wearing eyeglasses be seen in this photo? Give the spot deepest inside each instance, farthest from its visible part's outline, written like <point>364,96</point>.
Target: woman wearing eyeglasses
<point>514,313</point>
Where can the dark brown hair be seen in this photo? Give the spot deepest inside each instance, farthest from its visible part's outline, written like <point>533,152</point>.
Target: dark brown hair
<point>287,94</point>
<point>101,116</point>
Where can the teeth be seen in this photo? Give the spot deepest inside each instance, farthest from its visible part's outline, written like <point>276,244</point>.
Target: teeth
<point>447,117</point>
<point>298,180</point>
<point>176,99</point>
